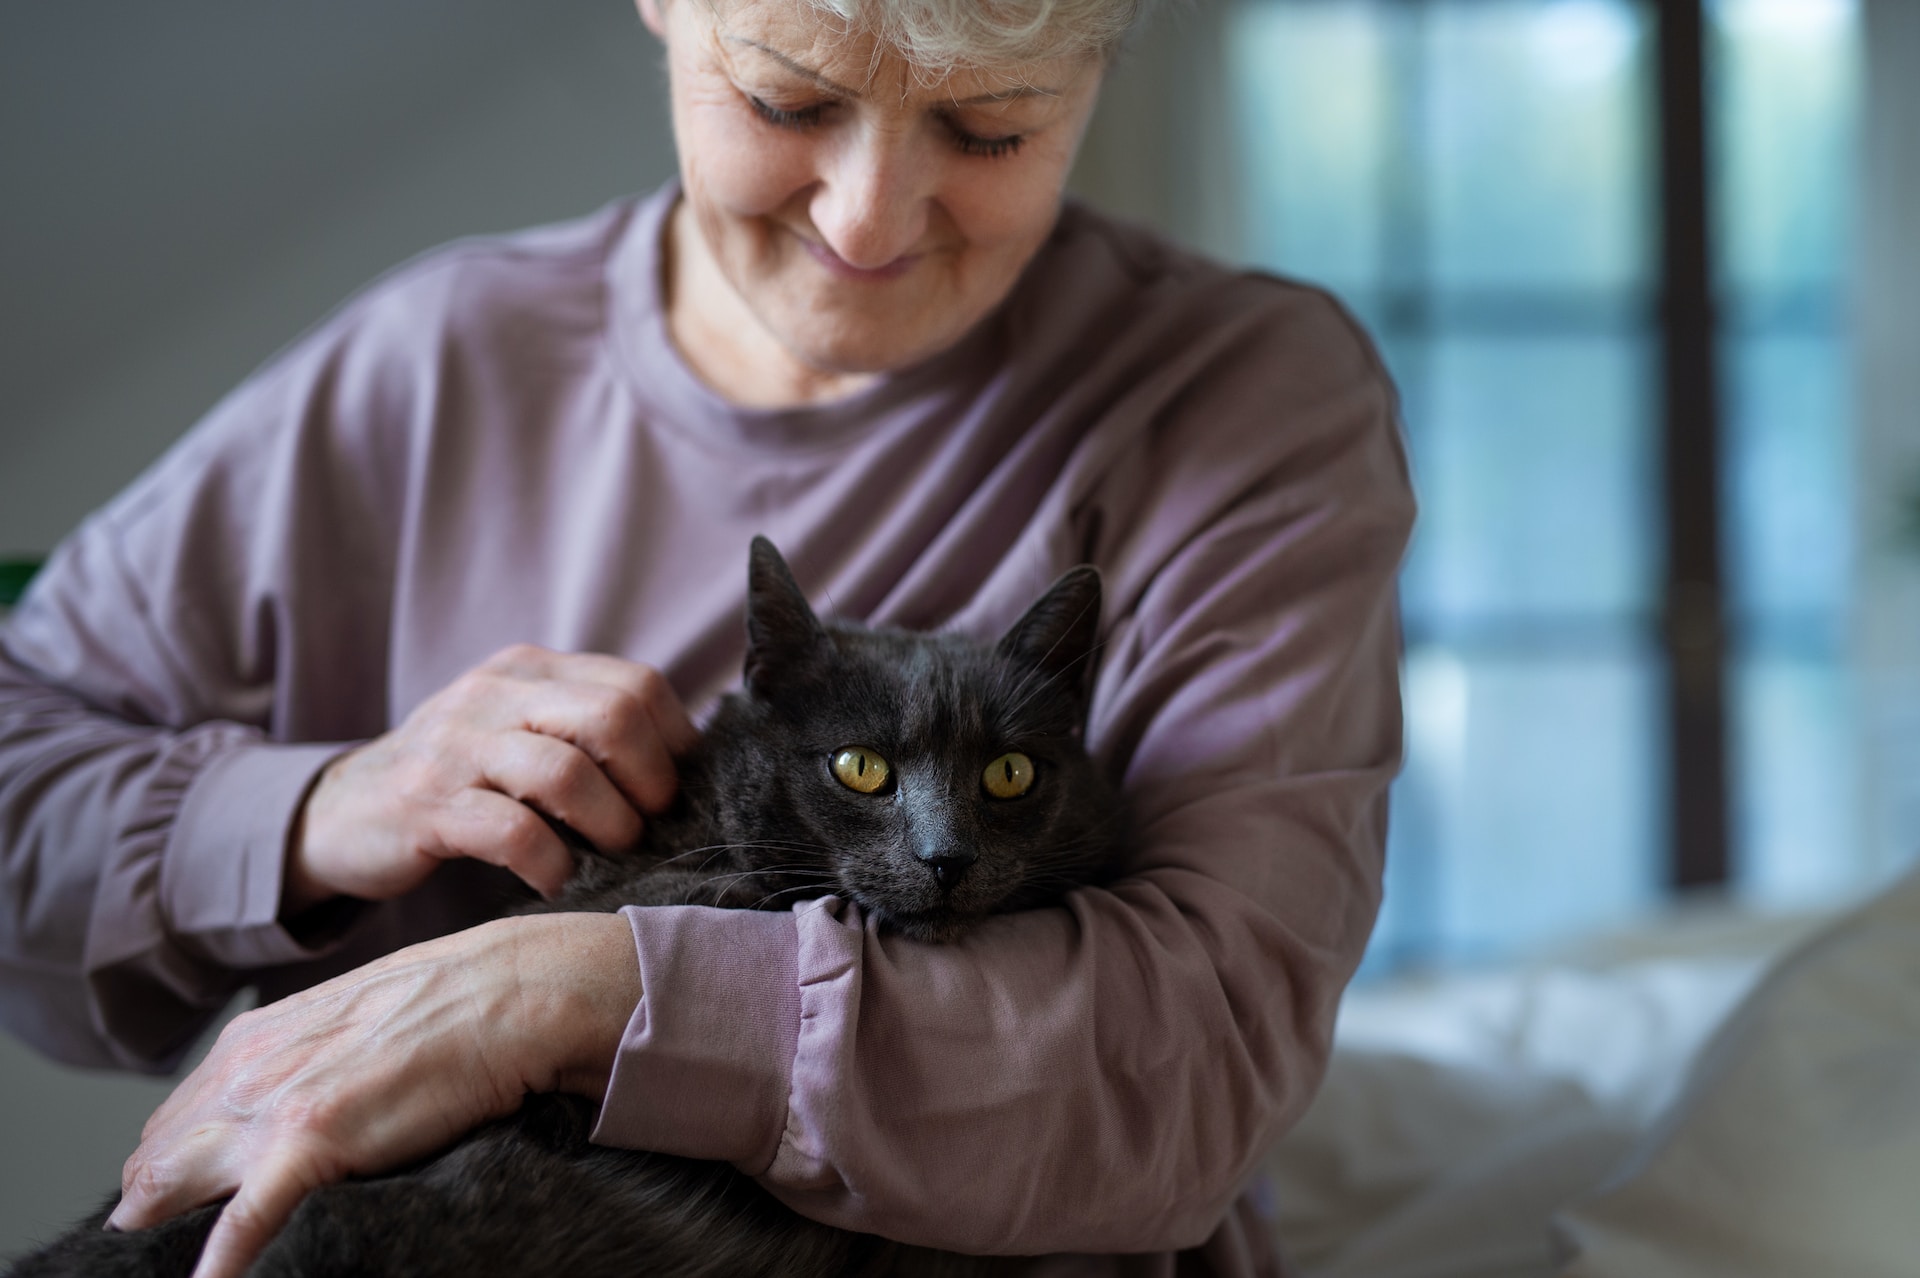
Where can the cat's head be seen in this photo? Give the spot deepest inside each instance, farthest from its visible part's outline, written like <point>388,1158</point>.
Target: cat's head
<point>941,779</point>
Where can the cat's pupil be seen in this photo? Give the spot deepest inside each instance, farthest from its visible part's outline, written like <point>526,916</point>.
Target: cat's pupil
<point>860,769</point>
<point>1009,776</point>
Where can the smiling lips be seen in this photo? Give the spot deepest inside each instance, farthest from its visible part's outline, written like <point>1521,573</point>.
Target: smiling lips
<point>840,268</point>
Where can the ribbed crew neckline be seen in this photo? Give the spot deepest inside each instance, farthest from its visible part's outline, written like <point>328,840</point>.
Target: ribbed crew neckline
<point>660,377</point>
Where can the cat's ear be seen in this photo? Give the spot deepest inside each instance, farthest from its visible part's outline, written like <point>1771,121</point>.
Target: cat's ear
<point>1057,635</point>
<point>781,627</point>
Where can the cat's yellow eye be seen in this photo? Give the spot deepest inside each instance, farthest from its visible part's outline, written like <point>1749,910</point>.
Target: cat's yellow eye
<point>1009,776</point>
<point>859,768</point>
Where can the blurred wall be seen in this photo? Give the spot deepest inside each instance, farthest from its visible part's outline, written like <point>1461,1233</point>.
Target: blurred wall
<point>190,185</point>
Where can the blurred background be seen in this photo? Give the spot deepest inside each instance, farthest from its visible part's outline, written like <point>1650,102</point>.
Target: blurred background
<point>1647,274</point>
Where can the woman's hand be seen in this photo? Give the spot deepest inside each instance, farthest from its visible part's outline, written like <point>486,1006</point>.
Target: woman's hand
<point>379,1067</point>
<point>584,739</point>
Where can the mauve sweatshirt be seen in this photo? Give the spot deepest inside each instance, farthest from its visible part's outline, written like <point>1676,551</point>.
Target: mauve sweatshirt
<point>498,443</point>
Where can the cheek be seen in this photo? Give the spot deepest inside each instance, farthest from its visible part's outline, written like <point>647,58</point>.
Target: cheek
<point>732,160</point>
<point>1011,208</point>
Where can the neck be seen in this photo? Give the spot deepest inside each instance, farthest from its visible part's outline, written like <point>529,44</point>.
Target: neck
<point>724,342</point>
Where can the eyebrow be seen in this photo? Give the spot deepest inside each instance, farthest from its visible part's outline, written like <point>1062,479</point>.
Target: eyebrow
<point>831,86</point>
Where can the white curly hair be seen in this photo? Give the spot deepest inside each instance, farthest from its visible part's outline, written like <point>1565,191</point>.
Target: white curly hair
<point>940,35</point>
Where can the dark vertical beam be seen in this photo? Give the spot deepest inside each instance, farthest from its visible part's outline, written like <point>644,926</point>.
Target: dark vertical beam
<point>1695,628</point>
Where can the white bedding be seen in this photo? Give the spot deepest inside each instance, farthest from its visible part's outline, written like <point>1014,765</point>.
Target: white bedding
<point>1461,1114</point>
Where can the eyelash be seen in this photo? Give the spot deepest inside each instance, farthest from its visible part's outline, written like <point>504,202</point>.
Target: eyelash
<point>807,117</point>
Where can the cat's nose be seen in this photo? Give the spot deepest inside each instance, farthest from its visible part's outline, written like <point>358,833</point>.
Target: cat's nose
<point>949,865</point>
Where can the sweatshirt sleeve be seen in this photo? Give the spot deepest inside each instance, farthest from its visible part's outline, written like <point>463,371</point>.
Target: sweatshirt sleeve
<point>1101,1077</point>
<point>151,692</point>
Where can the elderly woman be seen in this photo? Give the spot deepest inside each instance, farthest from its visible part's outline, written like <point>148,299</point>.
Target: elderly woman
<point>284,713</point>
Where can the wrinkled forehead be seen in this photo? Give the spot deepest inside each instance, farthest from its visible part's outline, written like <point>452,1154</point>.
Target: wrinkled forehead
<point>857,52</point>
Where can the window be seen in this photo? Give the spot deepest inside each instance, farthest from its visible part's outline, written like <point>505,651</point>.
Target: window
<point>1481,181</point>
<point>1784,80</point>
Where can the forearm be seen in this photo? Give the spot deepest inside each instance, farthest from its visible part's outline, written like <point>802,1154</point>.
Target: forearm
<point>1101,1087</point>
<point>1098,1078</point>
<point>142,871</point>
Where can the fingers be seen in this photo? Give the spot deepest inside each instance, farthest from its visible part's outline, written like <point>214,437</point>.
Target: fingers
<point>623,716</point>
<point>610,728</point>
<point>588,740</point>
<point>491,827</point>
<point>258,1211</point>
<point>158,1188</point>
<point>559,779</point>
<point>646,688</point>
<point>373,1069</point>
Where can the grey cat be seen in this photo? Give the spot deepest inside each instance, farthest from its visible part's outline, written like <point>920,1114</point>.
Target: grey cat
<point>930,778</point>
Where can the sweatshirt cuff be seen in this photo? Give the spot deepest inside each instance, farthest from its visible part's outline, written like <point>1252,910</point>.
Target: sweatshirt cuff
<point>705,1065</point>
<point>221,872</point>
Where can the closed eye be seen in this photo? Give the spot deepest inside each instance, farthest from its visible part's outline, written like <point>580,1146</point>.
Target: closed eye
<point>967,142</point>
<point>973,144</point>
<point>800,120</point>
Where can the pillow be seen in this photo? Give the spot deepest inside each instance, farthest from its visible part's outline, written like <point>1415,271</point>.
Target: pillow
<point>1460,1112</point>
<point>1794,1147</point>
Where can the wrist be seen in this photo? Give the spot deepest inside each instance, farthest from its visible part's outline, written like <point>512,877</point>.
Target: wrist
<point>301,889</point>
<point>579,984</point>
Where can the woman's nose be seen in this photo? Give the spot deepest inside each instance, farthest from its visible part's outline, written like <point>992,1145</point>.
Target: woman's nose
<point>872,206</point>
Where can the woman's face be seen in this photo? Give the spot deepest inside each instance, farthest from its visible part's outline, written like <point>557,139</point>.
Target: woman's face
<point>866,217</point>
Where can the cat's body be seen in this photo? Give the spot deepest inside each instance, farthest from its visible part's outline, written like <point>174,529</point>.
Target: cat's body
<point>930,779</point>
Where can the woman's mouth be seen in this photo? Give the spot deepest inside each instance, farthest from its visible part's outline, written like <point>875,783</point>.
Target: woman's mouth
<point>840,268</point>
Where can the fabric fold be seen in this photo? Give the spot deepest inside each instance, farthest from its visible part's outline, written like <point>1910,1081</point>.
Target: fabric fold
<point>704,1064</point>
<point>225,860</point>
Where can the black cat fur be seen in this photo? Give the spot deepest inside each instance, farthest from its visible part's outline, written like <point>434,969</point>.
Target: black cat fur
<point>759,823</point>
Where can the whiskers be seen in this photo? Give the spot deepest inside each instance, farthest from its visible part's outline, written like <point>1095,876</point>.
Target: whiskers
<point>714,851</point>
<point>775,895</point>
<point>818,882</point>
<point>796,845</point>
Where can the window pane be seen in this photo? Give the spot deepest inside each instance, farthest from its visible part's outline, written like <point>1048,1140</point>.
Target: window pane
<point>1783,77</point>
<point>1311,97</point>
<point>1795,803</point>
<point>1474,176</point>
<point>1536,151</point>
<point>1784,82</point>
<point>1537,481</point>
<point>1527,810</point>
<point>1790,491</point>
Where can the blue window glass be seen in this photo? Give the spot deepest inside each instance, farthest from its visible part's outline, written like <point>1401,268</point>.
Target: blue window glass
<point>1539,489</point>
<point>1311,95</point>
<point>1784,74</point>
<point>1535,149</point>
<point>1472,174</point>
<point>1479,179</point>
<point>1529,807</point>
<point>1785,79</point>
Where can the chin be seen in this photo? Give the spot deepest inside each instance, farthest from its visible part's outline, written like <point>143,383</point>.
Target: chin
<point>860,346</point>
<point>840,327</point>
<point>838,340</point>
